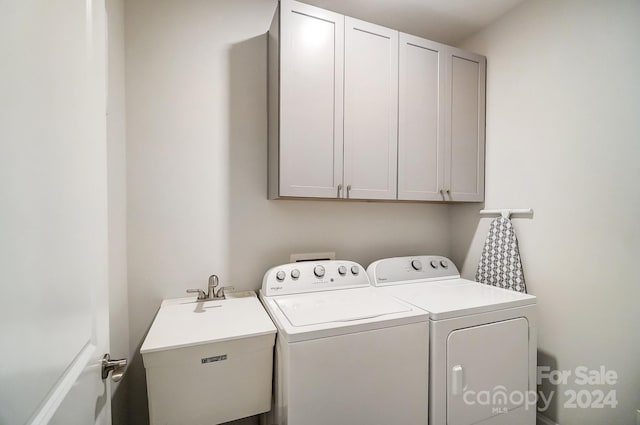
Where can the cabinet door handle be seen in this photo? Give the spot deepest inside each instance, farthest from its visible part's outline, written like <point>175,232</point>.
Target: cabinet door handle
<point>339,189</point>
<point>348,190</point>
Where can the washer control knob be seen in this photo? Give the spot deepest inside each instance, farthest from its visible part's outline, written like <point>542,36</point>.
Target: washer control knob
<point>280,276</point>
<point>416,264</point>
<point>444,264</point>
<point>318,271</point>
<point>434,264</point>
<point>295,273</point>
<point>342,270</point>
<point>355,270</point>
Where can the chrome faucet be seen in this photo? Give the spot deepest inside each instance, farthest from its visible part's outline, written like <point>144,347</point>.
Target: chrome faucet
<point>212,293</point>
<point>213,284</point>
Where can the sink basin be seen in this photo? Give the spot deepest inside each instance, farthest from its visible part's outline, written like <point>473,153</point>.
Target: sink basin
<point>209,362</point>
<point>184,322</point>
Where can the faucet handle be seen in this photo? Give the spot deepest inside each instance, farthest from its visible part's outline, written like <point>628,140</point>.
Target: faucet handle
<point>221,294</point>
<point>201,294</point>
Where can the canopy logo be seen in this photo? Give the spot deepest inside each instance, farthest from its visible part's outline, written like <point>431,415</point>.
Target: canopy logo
<point>501,400</point>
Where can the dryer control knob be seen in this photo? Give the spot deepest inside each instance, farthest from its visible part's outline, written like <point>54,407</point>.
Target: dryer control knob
<point>416,264</point>
<point>342,270</point>
<point>318,271</point>
<point>280,276</point>
<point>355,270</point>
<point>444,264</point>
<point>434,264</point>
<point>295,273</point>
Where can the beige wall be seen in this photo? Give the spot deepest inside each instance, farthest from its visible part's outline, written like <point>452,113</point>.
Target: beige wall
<point>196,167</point>
<point>563,138</point>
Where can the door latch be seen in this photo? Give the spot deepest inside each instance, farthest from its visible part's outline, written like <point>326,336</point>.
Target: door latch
<point>116,367</point>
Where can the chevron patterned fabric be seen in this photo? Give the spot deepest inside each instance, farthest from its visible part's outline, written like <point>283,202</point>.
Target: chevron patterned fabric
<point>500,263</point>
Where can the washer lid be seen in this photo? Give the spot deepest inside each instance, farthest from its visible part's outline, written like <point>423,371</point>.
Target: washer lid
<point>337,306</point>
<point>304,317</point>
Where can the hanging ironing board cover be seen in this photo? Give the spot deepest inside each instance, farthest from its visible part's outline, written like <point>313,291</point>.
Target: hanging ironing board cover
<point>500,263</point>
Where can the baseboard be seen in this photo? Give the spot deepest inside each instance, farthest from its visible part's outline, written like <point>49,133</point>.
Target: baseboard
<point>543,420</point>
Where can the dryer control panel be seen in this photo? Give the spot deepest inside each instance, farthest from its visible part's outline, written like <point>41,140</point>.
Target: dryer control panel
<point>398,270</point>
<point>313,276</point>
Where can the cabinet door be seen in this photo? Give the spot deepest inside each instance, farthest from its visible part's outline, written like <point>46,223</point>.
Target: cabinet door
<point>421,119</point>
<point>311,100</point>
<point>371,110</point>
<point>465,150</point>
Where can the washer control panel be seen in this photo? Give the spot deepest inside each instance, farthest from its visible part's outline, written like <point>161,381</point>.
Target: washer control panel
<point>313,276</point>
<point>397,270</point>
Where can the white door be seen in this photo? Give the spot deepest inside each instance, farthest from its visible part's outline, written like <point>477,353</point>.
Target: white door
<point>53,214</point>
<point>421,119</point>
<point>371,111</point>
<point>488,373</point>
<point>465,150</point>
<point>311,100</point>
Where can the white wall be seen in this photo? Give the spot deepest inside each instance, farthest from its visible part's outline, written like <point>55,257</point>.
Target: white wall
<point>563,131</point>
<point>196,167</point>
<point>117,192</point>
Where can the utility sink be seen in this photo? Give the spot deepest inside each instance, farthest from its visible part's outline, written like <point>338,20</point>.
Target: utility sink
<point>209,362</point>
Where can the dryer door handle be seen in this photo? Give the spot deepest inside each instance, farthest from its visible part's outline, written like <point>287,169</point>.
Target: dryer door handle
<point>457,380</point>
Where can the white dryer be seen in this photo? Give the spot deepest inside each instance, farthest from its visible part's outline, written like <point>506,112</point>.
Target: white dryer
<point>482,341</point>
<point>346,354</point>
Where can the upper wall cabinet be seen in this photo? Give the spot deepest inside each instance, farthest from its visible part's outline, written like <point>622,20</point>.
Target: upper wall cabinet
<point>464,179</point>
<point>306,71</point>
<point>441,122</point>
<point>370,112</point>
<point>361,111</point>
<point>422,120</point>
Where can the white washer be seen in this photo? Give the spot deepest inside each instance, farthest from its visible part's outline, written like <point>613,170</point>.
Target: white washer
<point>482,346</point>
<point>345,352</point>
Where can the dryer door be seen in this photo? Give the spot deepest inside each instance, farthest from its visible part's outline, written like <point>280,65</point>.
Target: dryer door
<point>487,371</point>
